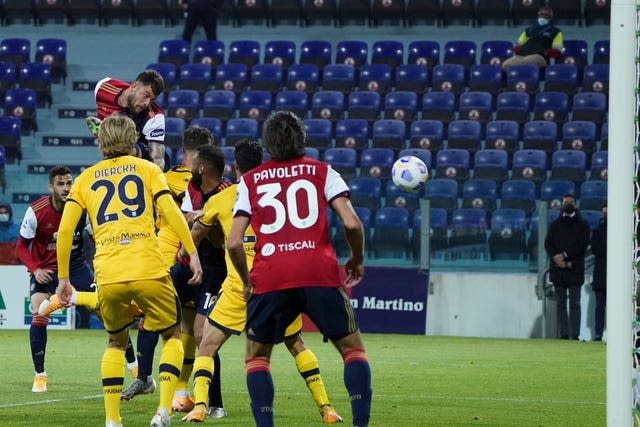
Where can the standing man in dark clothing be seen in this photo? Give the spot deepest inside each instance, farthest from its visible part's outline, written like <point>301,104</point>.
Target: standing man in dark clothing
<point>537,43</point>
<point>200,12</point>
<point>566,243</point>
<point>599,285</point>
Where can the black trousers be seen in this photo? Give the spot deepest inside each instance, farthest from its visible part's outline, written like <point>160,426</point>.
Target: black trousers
<point>204,13</point>
<point>601,305</point>
<point>568,323</point>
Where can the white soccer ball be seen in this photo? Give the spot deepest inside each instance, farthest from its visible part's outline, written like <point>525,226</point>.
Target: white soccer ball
<point>409,173</point>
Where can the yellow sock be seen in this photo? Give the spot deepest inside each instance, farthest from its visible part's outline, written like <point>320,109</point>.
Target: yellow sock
<point>309,368</point>
<point>112,368</point>
<point>202,374</point>
<point>189,345</point>
<point>169,371</point>
<point>87,299</point>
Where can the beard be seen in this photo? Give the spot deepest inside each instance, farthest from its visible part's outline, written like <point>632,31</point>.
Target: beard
<point>196,178</point>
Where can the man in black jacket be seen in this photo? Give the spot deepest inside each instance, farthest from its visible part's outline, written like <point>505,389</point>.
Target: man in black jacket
<point>599,285</point>
<point>566,243</point>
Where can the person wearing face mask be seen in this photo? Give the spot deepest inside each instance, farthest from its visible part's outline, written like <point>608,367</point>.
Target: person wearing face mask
<point>9,230</point>
<point>599,284</point>
<point>566,242</point>
<point>538,43</point>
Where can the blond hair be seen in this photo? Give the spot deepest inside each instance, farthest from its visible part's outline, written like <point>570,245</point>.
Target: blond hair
<point>117,136</point>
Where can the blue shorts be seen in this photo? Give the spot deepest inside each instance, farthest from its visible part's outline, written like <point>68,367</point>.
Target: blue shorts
<point>81,278</point>
<point>269,314</point>
<point>203,296</point>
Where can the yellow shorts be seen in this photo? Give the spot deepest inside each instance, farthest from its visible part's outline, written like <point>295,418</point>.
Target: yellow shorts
<point>157,298</point>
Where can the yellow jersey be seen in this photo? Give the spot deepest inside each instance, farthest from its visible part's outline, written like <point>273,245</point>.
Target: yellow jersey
<point>177,180</point>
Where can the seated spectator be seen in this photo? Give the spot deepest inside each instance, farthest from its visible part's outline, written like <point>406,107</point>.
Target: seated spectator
<point>9,232</point>
<point>537,43</point>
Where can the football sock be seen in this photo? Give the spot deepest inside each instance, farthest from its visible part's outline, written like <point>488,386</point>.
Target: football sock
<point>129,354</point>
<point>146,344</point>
<point>357,379</point>
<point>169,370</point>
<point>189,345</point>
<point>38,341</point>
<point>215,390</point>
<point>309,369</point>
<point>202,373</point>
<point>112,368</point>
<point>260,386</point>
<point>85,299</point>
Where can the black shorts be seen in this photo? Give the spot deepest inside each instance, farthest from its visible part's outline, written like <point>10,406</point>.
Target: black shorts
<point>269,314</point>
<point>81,278</point>
<point>203,296</point>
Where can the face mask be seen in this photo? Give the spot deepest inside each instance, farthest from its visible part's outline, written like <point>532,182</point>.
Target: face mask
<point>543,21</point>
<point>4,217</point>
<point>569,209</point>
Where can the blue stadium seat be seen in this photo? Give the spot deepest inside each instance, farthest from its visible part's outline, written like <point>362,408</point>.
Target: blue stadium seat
<point>389,134</point>
<point>195,77</point>
<point>593,195</point>
<point>238,129</point>
<point>184,104</point>
<point>10,137</point>
<point>468,227</point>
<point>365,192</point>
<point>325,11</point>
<point>352,52</point>
<point>462,52</point>
<point>495,52</point>
<point>339,238</point>
<point>316,52</point>
<point>507,238</point>
<point>523,78</point>
<point>352,133</point>
<point>423,11</point>
<point>376,77</point>
<point>55,11</point>
<point>396,197</point>
<point>465,134</point>
<point>343,160</point>
<point>552,192</point>
<point>303,77</point>
<point>574,52</point>
<point>513,106</point>
<point>599,166</point>
<point>220,104</point>
<point>438,233</point>
<point>211,52</point>
<point>37,77</point>
<point>174,128</point>
<point>596,78</point>
<point>486,78</point>
<point>389,52</point>
<point>476,106</point>
<point>364,105</point>
<point>566,11</point>
<point>530,165</point>
<point>518,194</point>
<point>424,52</point>
<point>604,136</point>
<point>391,233</point>
<point>54,53</point>
<point>426,134</point>
<point>175,52</point>
<point>525,12</point>
<point>442,194</point>
<point>251,11</point>
<point>354,12</point>
<point>319,133</point>
<point>421,153</point>
<point>233,77</point>
<point>267,77</point>
<point>327,104</point>
<point>383,11</point>
<point>480,194</point>
<point>280,52</point>
<point>229,157</point>
<point>294,101</point>
<point>212,124</point>
<point>245,52</point>
<point>312,152</point>
<point>448,78</point>
<point>376,163</point>
<point>561,78</point>
<point>453,163</point>
<point>579,135</point>
<point>590,106</point>
<point>502,135</point>
<point>551,106</point>
<point>21,103</point>
<point>592,217</point>
<point>569,165</point>
<point>439,106</point>
<point>168,71</point>
<point>459,12</point>
<point>16,50</point>
<point>597,11</point>
<point>540,135</point>
<point>117,10</point>
<point>7,78</point>
<point>601,52</point>
<point>496,12</point>
<point>340,77</point>
<point>401,105</point>
<point>255,104</point>
<point>491,164</point>
<point>412,77</point>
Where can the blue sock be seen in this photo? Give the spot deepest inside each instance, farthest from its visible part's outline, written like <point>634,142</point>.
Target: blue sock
<point>38,341</point>
<point>357,379</point>
<point>129,354</point>
<point>146,342</point>
<point>215,391</point>
<point>260,386</point>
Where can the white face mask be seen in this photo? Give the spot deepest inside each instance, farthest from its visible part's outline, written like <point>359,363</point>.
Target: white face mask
<point>4,217</point>
<point>543,21</point>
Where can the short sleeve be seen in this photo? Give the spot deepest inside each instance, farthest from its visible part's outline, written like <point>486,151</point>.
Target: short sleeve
<point>154,129</point>
<point>29,224</point>
<point>209,212</point>
<point>242,203</point>
<point>334,184</point>
<point>158,180</point>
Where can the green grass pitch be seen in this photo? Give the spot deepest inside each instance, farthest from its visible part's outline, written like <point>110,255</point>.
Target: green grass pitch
<point>417,381</point>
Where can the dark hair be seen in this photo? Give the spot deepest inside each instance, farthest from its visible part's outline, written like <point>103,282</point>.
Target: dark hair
<point>58,171</point>
<point>248,154</point>
<point>194,137</point>
<point>211,157</point>
<point>152,78</point>
<point>546,10</point>
<point>570,195</point>
<point>284,136</point>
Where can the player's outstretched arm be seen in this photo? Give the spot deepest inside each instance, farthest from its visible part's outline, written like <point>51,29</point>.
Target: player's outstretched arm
<point>70,217</point>
<point>235,246</point>
<point>354,233</point>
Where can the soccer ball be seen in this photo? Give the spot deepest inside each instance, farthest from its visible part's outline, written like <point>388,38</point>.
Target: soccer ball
<point>409,173</point>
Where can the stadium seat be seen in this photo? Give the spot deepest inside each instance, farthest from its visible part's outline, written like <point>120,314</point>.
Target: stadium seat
<point>486,78</point>
<point>285,11</point>
<point>523,78</point>
<point>424,52</point>
<point>530,165</point>
<point>174,128</point>
<point>480,194</point>
<point>465,134</point>
<point>212,124</point>
<point>604,136</point>
<point>195,76</point>
<point>174,51</point>
<point>599,166</point>
<point>17,11</point>
<point>365,192</point>
<point>439,106</point>
<point>37,77</point>
<point>312,152</point>
<point>151,10</point>
<point>592,217</point>
<point>325,11</point>
<point>540,135</point>
<point>7,78</point>
<point>303,77</point>
<point>254,11</point>
<point>579,135</point>
<point>318,133</point>
<point>513,106</point>
<point>389,133</point>
<point>401,105</point>
<point>316,52</point>
<point>267,77</point>
<point>566,11</point>
<point>601,52</point>
<point>507,238</point>
<point>551,106</point>
<point>525,11</point>
<point>354,12</point>
<point>255,104</point>
<point>55,11</point>
<point>120,10</point>
<point>468,227</point>
<point>438,231</point>
<point>396,197</point>
<point>245,52</point>
<point>495,52</point>
<point>596,78</point>
<point>280,52</point>
<point>491,164</point>
<point>412,77</point>
<point>388,52</point>
<point>168,71</point>
<point>497,12</point>
<point>552,192</point>
<point>423,11</point>
<point>597,11</point>
<point>569,165</point>
<point>593,195</point>
<point>453,163</point>
<point>391,12</point>
<point>391,233</point>
<point>426,134</point>
<point>460,12</point>
<point>294,101</point>
<point>364,105</point>
<point>502,135</point>
<point>327,104</point>
<point>352,52</point>
<point>238,129</point>
<point>21,103</point>
<point>476,106</point>
<point>462,52</point>
<point>16,50</point>
<point>233,77</point>
<point>220,104</point>
<point>375,77</point>
<point>339,239</point>
<point>574,52</point>
<point>448,78</point>
<point>376,163</point>
<point>518,194</point>
<point>184,104</point>
<point>339,77</point>
<point>343,160</point>
<point>442,194</point>
<point>421,153</point>
<point>590,106</point>
<point>10,137</point>
<point>89,10</point>
<point>561,78</point>
<point>352,133</point>
<point>210,52</point>
<point>54,53</point>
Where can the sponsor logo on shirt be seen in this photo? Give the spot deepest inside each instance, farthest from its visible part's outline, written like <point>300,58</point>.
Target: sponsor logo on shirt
<point>156,133</point>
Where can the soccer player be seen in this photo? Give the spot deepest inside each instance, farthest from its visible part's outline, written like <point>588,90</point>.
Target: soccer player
<point>36,248</point>
<point>295,268</point>
<point>229,311</point>
<point>118,195</point>
<point>137,101</point>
